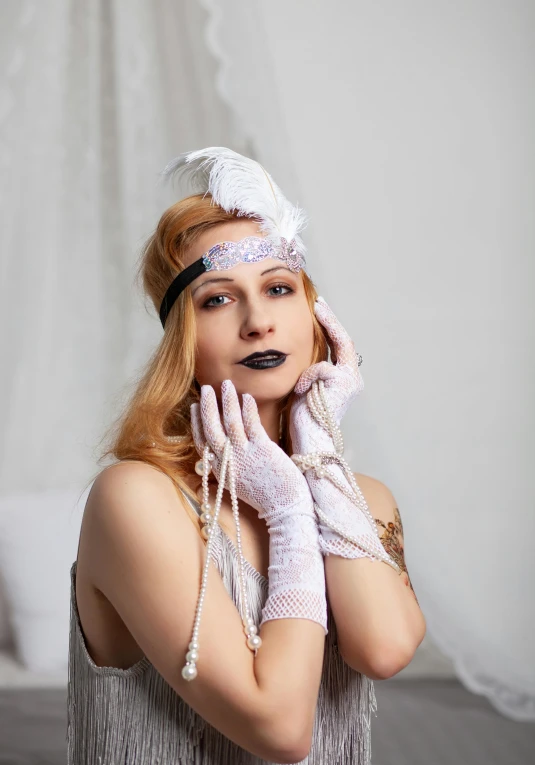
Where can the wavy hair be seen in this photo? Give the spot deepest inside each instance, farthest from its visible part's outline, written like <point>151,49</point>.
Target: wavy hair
<point>160,404</point>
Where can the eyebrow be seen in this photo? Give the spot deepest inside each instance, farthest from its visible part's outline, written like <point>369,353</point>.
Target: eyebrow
<point>228,279</point>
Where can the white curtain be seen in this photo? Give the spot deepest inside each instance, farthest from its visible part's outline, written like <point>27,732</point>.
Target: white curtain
<point>95,98</point>
<point>406,130</point>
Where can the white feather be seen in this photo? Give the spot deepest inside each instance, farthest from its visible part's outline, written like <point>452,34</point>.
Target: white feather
<point>239,183</point>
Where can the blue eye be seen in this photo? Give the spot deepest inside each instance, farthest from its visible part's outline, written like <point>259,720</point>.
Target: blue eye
<point>278,286</point>
<point>208,303</point>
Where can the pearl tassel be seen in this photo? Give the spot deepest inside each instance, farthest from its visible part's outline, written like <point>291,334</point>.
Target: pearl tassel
<point>321,412</point>
<point>203,467</point>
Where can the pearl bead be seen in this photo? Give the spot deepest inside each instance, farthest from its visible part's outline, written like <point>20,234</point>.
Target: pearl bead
<point>189,672</point>
<point>194,645</point>
<point>206,507</point>
<point>254,642</point>
<point>199,467</point>
<point>206,531</point>
<point>206,517</point>
<point>252,629</point>
<point>192,656</point>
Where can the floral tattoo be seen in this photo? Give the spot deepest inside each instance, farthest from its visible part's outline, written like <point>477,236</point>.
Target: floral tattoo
<point>391,535</point>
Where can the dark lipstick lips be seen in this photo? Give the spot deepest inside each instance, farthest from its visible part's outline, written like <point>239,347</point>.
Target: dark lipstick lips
<point>262,355</point>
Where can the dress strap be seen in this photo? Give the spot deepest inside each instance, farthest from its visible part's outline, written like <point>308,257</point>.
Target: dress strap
<point>195,504</point>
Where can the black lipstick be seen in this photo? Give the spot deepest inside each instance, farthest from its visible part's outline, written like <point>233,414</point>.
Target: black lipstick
<point>264,359</point>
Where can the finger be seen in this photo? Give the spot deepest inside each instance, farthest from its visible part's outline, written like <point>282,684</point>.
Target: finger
<point>254,429</point>
<point>197,429</point>
<point>344,347</point>
<point>323,370</point>
<point>232,416</point>
<point>211,420</point>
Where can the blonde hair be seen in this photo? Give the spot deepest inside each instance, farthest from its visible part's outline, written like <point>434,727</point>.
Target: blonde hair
<point>160,404</point>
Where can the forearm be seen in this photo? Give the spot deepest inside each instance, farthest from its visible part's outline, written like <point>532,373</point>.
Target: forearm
<point>294,618</point>
<point>288,671</point>
<point>378,620</point>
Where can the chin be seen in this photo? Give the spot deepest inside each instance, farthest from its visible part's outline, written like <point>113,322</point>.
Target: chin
<point>265,385</point>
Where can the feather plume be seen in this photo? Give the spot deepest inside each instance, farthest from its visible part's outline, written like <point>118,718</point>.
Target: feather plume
<point>242,184</point>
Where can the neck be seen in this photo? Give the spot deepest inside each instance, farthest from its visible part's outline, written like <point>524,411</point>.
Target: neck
<point>270,418</point>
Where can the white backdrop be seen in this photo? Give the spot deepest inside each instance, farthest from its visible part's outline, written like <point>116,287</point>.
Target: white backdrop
<point>410,129</point>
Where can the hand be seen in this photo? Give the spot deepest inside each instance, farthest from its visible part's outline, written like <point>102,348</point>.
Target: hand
<point>266,477</point>
<point>336,510</point>
<point>268,480</point>
<point>342,381</point>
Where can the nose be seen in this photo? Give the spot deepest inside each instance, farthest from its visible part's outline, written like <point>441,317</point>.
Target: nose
<point>257,321</point>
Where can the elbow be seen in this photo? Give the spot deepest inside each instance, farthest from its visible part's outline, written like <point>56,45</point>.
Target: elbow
<point>388,663</point>
<point>387,658</point>
<point>293,740</point>
<point>392,658</point>
<point>290,756</point>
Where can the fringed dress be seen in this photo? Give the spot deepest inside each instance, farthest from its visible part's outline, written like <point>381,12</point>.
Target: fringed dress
<point>133,716</point>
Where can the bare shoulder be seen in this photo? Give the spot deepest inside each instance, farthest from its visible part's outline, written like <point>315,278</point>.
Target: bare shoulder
<point>131,484</point>
<point>385,512</point>
<point>128,501</point>
<point>379,498</point>
<point>129,475</point>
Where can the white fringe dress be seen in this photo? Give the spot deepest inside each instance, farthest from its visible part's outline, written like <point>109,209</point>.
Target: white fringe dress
<point>133,716</point>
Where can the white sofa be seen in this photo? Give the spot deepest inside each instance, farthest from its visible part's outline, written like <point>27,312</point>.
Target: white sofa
<point>38,542</point>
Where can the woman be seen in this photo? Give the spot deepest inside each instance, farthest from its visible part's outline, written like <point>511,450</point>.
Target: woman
<point>298,615</point>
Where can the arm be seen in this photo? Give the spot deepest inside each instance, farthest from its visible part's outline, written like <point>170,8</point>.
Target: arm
<point>378,620</point>
<point>147,558</point>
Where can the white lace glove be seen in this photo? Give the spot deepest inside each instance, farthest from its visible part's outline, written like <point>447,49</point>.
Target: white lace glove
<point>268,480</point>
<point>341,502</point>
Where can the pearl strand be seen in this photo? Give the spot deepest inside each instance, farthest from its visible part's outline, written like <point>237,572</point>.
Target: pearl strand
<point>254,641</point>
<point>313,460</point>
<point>203,468</point>
<point>321,412</point>
<point>189,670</point>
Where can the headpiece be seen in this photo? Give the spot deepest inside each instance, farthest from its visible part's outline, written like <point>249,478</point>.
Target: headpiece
<point>237,183</point>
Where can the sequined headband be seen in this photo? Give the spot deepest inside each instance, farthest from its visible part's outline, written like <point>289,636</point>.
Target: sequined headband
<point>225,255</point>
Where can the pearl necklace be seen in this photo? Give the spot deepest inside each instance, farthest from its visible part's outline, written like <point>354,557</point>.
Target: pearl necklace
<point>321,412</point>
<point>203,468</point>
